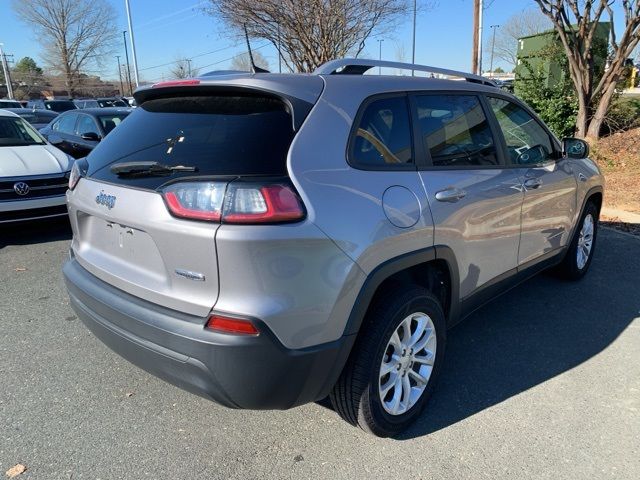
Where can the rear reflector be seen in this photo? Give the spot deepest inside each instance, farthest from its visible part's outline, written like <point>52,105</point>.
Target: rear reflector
<point>231,325</point>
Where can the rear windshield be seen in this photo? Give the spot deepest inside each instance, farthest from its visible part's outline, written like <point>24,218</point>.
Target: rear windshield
<point>9,104</point>
<point>219,135</point>
<point>60,105</point>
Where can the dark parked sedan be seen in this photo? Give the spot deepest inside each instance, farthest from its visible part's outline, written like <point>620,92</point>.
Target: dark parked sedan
<point>53,105</point>
<point>77,132</point>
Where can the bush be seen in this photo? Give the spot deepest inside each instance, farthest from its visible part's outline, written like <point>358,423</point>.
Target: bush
<point>624,114</point>
<point>557,105</point>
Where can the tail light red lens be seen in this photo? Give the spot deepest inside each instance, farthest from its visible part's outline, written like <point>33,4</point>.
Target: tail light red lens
<point>255,203</point>
<point>237,203</point>
<point>231,325</point>
<point>195,200</point>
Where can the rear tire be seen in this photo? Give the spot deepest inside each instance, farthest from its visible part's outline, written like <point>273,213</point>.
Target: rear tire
<point>393,368</point>
<point>578,258</point>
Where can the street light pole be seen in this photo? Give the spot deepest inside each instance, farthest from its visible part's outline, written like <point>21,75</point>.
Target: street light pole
<point>279,51</point>
<point>380,54</point>
<point>7,73</point>
<point>413,48</point>
<point>120,76</point>
<point>126,54</point>
<point>493,46</point>
<point>133,45</point>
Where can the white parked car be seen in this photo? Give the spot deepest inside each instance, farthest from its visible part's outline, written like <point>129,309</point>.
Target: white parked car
<point>33,173</point>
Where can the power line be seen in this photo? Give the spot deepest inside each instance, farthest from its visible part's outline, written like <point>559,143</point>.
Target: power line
<point>173,14</point>
<point>191,57</point>
<point>231,58</point>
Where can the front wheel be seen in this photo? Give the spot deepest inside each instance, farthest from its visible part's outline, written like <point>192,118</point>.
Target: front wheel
<point>582,247</point>
<point>392,370</point>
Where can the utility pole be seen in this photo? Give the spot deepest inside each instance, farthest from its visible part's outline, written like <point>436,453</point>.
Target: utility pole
<point>7,73</point>
<point>493,46</point>
<point>120,76</point>
<point>481,11</point>
<point>413,48</point>
<point>476,23</point>
<point>380,54</point>
<point>126,53</point>
<point>189,65</point>
<point>133,45</point>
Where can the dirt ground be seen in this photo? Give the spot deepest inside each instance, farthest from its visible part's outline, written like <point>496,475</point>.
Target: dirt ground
<point>619,158</point>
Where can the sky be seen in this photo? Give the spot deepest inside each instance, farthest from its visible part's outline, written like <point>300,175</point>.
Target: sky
<point>169,29</point>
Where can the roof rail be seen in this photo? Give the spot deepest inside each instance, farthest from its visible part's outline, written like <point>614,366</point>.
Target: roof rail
<point>358,66</point>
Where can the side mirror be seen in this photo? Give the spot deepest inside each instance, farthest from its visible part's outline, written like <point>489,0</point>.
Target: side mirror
<point>91,136</point>
<point>575,148</point>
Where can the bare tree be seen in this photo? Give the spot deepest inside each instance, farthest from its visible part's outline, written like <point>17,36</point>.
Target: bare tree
<point>311,32</point>
<point>522,24</point>
<point>576,22</point>
<point>242,62</point>
<point>76,34</point>
<point>182,68</point>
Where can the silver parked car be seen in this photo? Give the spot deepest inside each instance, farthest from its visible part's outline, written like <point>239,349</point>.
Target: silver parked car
<point>267,240</point>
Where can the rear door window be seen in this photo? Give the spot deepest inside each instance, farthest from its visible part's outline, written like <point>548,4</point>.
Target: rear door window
<point>455,131</point>
<point>66,124</point>
<point>86,124</point>
<point>219,135</point>
<point>382,136</point>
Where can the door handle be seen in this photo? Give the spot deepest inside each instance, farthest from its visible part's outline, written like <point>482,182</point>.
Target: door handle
<point>532,183</point>
<point>450,195</point>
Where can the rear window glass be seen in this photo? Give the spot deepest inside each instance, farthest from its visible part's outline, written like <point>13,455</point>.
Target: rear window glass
<point>383,136</point>
<point>219,135</point>
<point>455,130</point>
<point>109,122</point>
<point>60,106</point>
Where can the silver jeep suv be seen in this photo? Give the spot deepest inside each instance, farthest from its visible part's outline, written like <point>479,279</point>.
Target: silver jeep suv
<point>267,240</point>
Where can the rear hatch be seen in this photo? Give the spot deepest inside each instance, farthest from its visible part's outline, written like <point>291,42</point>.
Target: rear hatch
<point>124,231</point>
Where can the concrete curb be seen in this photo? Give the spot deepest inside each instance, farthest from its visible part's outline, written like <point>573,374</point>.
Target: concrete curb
<point>623,215</point>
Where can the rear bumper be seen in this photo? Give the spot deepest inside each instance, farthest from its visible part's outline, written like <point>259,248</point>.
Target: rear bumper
<point>254,372</point>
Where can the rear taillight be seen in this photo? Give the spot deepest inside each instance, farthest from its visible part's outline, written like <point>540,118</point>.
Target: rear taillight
<point>195,200</point>
<point>78,170</point>
<point>231,325</point>
<point>238,203</point>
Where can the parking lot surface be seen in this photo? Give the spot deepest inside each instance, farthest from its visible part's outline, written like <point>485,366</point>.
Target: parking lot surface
<point>543,382</point>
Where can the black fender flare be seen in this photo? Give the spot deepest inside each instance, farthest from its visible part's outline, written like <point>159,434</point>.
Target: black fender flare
<point>398,264</point>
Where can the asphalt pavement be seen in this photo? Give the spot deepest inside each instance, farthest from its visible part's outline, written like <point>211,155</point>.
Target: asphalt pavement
<point>542,383</point>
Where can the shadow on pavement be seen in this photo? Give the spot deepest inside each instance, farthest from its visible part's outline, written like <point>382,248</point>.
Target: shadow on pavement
<point>533,333</point>
<point>33,232</point>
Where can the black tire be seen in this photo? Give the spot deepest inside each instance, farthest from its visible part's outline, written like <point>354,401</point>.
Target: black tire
<point>356,397</point>
<point>569,268</point>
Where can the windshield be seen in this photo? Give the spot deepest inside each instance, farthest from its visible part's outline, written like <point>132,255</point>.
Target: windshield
<point>109,122</point>
<point>9,104</point>
<point>60,105</point>
<point>15,132</point>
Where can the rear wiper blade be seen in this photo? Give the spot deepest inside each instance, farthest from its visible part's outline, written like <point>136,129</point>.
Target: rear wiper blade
<point>148,168</point>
